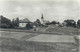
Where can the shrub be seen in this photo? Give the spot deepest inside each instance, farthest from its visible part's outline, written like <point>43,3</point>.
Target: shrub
<point>4,26</point>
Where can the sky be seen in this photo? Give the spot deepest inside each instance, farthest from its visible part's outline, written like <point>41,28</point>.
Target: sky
<point>57,10</point>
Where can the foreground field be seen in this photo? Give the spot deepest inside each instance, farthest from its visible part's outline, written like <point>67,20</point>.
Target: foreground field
<point>12,45</point>
<point>23,42</point>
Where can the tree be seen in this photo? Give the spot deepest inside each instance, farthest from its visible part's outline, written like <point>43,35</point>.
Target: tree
<point>54,22</point>
<point>28,26</point>
<point>71,23</point>
<point>15,22</point>
<point>78,23</point>
<point>5,22</point>
<point>38,21</point>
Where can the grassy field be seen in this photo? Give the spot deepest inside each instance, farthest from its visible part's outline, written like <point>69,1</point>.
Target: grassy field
<point>52,38</point>
<point>16,42</point>
<point>64,30</point>
<point>13,45</point>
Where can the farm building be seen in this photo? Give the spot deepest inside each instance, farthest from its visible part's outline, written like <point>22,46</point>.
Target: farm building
<point>24,22</point>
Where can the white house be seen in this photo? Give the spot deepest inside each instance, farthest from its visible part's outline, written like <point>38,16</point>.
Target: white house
<point>24,22</point>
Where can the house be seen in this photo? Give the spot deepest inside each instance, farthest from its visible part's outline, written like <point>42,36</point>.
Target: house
<point>24,22</point>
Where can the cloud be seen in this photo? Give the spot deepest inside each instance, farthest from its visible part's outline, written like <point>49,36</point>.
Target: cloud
<point>52,9</point>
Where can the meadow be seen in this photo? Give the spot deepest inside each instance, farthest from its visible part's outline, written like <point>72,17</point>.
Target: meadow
<point>20,41</point>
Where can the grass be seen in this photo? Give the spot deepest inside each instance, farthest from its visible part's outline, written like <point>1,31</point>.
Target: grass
<point>13,45</point>
<point>15,35</point>
<point>52,38</point>
<point>11,41</point>
<point>64,30</point>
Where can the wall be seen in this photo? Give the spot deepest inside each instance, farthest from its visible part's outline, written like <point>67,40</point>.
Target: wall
<point>22,24</point>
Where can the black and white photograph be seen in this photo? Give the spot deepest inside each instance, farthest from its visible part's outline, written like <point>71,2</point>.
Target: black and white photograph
<point>39,25</point>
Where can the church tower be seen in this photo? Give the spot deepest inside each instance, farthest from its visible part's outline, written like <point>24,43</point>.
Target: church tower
<point>42,19</point>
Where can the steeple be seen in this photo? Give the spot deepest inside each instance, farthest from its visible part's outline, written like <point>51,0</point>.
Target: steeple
<point>42,17</point>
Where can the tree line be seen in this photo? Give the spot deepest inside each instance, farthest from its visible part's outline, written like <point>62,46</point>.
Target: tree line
<point>7,23</point>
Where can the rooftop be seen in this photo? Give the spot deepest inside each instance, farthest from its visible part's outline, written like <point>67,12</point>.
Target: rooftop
<point>25,21</point>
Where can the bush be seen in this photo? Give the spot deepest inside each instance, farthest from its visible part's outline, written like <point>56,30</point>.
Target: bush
<point>29,26</point>
<point>4,26</point>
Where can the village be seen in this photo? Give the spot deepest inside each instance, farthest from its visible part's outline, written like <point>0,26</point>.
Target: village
<point>27,24</point>
<point>39,33</point>
<point>39,26</point>
<point>43,24</point>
